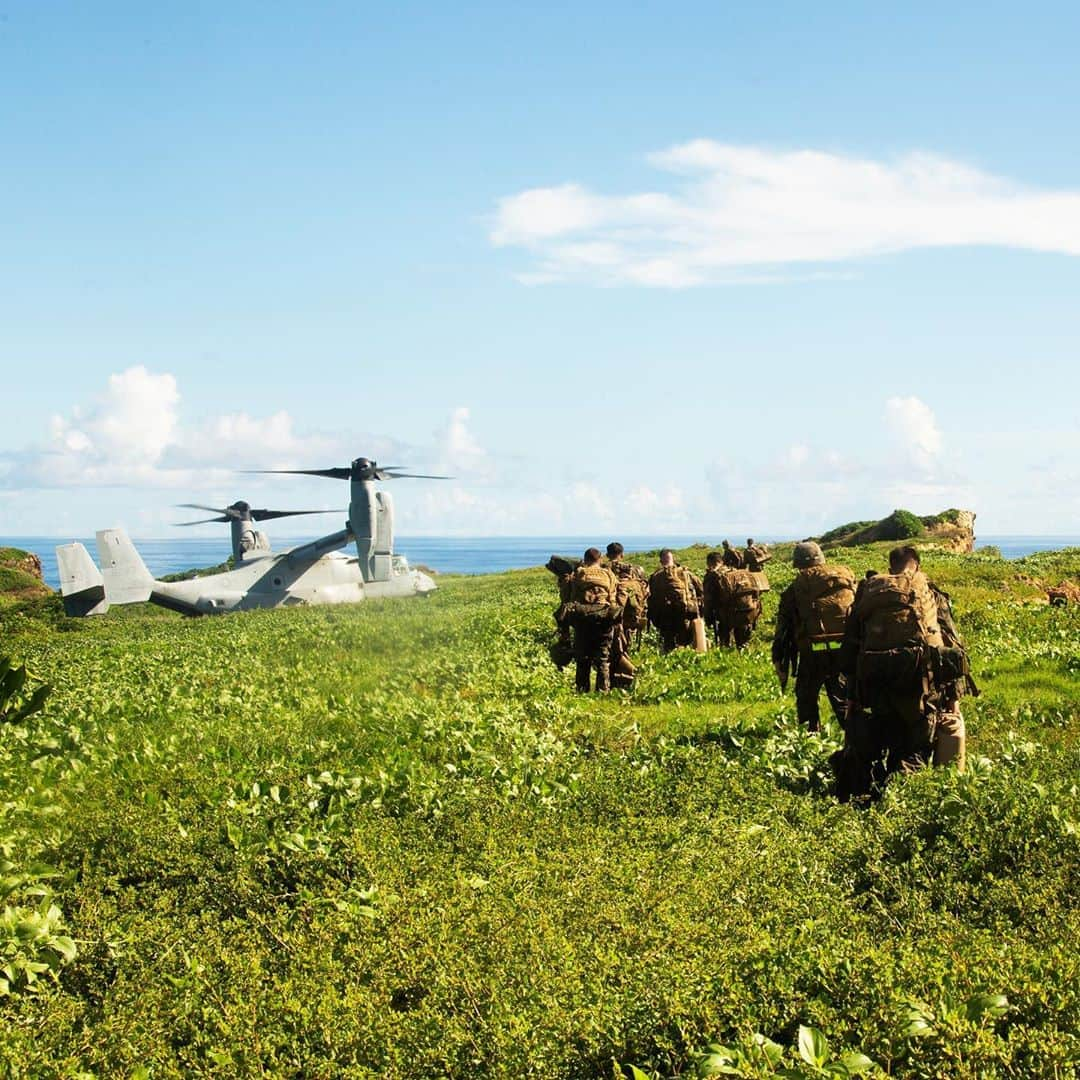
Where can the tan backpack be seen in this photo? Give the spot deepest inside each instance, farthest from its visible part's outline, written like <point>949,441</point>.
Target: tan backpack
<point>593,585</point>
<point>739,593</point>
<point>671,594</point>
<point>898,611</point>
<point>823,598</point>
<point>635,589</point>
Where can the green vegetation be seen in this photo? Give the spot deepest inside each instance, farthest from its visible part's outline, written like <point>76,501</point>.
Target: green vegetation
<point>198,572</point>
<point>899,525</point>
<point>21,589</point>
<point>389,840</point>
<point>844,532</point>
<point>946,517</point>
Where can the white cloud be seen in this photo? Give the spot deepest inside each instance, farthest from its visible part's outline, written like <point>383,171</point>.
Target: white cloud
<point>588,501</point>
<point>736,208</point>
<point>797,456</point>
<point>458,450</point>
<point>119,438</point>
<point>915,430</point>
<point>807,487</point>
<point>545,212</point>
<point>132,435</point>
<point>238,440</point>
<point>648,504</point>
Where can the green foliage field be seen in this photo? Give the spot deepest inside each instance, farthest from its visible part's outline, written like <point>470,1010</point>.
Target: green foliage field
<point>389,840</point>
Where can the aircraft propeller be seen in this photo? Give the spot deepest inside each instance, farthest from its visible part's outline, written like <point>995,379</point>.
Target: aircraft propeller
<point>360,469</point>
<point>242,511</point>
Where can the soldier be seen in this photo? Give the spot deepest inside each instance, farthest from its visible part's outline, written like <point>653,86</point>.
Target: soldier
<point>634,595</point>
<point>632,598</point>
<point>906,669</point>
<point>562,651</point>
<point>675,597</point>
<point>732,602</point>
<point>809,631</point>
<point>711,608</point>
<point>731,557</point>
<point>755,556</point>
<point>950,735</point>
<point>595,611</point>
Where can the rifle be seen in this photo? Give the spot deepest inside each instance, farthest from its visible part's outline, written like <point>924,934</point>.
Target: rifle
<point>788,662</point>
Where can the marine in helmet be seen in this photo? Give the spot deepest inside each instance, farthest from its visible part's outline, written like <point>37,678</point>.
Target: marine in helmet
<point>809,632</point>
<point>755,556</point>
<point>633,595</point>
<point>731,557</point>
<point>594,592</point>
<point>906,669</point>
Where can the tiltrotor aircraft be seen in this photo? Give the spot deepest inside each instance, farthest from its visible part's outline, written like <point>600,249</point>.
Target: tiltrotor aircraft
<point>314,573</point>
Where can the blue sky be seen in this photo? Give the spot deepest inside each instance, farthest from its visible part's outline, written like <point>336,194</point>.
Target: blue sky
<point>633,267</point>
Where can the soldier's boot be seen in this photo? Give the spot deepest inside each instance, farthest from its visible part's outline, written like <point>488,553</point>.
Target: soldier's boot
<point>581,677</point>
<point>806,702</point>
<point>603,677</point>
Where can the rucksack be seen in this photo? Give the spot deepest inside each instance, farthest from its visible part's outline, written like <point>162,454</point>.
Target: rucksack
<point>593,585</point>
<point>739,594</point>
<point>636,590</point>
<point>823,598</point>
<point>671,594</point>
<point>899,611</point>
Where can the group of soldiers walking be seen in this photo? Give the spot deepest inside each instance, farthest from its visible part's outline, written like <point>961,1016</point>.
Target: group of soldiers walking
<point>606,605</point>
<point>885,650</point>
<point>889,657</point>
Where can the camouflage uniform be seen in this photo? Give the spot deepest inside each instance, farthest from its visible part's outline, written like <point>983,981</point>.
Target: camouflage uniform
<point>755,556</point>
<point>816,664</point>
<point>632,583</point>
<point>731,625</point>
<point>712,608</point>
<point>950,735</point>
<point>731,557</point>
<point>675,627</point>
<point>814,670</point>
<point>594,587</point>
<point>562,651</point>
<point>907,705</point>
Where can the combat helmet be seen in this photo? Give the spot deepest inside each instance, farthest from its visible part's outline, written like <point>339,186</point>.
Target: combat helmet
<point>806,554</point>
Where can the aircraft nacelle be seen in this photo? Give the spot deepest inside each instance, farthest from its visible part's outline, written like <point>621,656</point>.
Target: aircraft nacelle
<point>371,518</point>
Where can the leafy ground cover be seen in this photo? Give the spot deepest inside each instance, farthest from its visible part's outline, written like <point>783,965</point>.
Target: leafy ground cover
<point>389,840</point>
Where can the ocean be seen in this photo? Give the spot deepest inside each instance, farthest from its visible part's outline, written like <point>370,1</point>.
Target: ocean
<point>450,554</point>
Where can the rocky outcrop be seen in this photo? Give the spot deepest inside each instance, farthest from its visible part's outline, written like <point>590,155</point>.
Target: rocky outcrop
<point>29,563</point>
<point>953,530</point>
<point>21,580</point>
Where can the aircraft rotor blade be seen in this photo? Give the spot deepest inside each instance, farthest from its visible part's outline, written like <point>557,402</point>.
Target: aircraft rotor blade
<point>368,470</point>
<point>410,476</point>
<point>267,515</point>
<point>199,506</point>
<point>333,474</point>
<point>202,521</point>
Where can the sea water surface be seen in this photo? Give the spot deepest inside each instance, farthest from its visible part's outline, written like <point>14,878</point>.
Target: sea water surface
<point>449,554</point>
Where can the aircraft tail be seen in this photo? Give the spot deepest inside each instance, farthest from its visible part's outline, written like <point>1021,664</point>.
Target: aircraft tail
<point>127,581</point>
<point>81,583</point>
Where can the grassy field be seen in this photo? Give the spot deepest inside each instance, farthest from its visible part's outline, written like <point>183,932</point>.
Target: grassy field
<point>389,840</point>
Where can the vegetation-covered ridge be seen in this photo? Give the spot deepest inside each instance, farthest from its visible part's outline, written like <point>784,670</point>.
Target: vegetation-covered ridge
<point>21,585</point>
<point>952,528</point>
<point>389,840</point>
